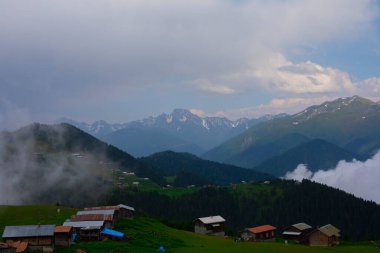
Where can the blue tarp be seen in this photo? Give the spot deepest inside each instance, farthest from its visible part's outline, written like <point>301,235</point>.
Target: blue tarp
<point>113,233</point>
<point>161,249</point>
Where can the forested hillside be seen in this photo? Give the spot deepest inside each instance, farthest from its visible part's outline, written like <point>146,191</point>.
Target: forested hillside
<point>279,203</point>
<point>171,164</point>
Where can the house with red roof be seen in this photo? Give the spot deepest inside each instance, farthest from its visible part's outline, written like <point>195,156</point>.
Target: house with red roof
<point>260,233</point>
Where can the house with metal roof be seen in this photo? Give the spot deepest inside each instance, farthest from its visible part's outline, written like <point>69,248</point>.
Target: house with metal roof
<point>297,232</point>
<point>211,225</point>
<point>86,230</point>
<point>260,233</point>
<point>107,218</point>
<point>38,237</point>
<point>121,210</point>
<point>327,235</point>
<point>97,211</point>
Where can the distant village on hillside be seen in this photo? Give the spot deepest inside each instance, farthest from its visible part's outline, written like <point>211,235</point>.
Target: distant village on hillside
<point>97,223</point>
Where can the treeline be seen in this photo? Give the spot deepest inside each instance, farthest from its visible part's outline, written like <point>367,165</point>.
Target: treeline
<point>281,203</point>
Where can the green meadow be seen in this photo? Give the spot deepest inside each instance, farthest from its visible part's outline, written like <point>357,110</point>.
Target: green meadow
<point>146,235</point>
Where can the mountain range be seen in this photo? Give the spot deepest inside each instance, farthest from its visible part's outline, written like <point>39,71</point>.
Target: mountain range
<point>351,123</point>
<point>342,129</point>
<point>180,131</point>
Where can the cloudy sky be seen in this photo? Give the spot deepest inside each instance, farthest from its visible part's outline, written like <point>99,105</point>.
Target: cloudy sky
<point>125,60</point>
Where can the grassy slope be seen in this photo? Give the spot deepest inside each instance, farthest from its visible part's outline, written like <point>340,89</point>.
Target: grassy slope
<point>31,215</point>
<point>147,234</point>
<point>148,185</point>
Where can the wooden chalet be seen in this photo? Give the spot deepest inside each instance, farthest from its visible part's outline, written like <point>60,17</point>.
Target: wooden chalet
<point>261,233</point>
<point>327,235</point>
<point>297,232</point>
<point>212,225</point>
<point>85,230</point>
<point>125,211</point>
<point>121,211</point>
<point>38,237</point>
<point>99,215</point>
<point>63,235</point>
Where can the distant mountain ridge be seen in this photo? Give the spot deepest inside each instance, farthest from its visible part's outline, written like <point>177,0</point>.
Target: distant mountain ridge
<point>180,131</point>
<point>351,123</point>
<point>170,163</point>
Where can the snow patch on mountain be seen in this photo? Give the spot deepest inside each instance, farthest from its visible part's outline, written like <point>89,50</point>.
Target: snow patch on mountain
<point>169,119</point>
<point>204,124</point>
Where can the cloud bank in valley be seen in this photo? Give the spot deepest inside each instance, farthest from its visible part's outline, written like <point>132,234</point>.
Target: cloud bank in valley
<point>356,177</point>
<point>32,172</point>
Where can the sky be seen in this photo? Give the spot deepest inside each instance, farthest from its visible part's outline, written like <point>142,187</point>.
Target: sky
<point>125,60</point>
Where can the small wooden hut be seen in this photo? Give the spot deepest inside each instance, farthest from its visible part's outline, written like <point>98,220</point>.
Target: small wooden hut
<point>327,235</point>
<point>212,225</point>
<point>63,235</point>
<point>297,232</point>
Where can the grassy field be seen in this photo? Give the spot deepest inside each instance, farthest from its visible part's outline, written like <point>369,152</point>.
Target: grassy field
<point>126,183</point>
<point>31,215</point>
<point>146,235</point>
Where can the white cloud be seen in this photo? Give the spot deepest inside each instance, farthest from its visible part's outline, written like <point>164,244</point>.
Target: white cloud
<point>278,75</point>
<point>300,173</point>
<point>198,112</point>
<point>275,106</point>
<point>358,178</point>
<point>369,87</point>
<point>208,86</point>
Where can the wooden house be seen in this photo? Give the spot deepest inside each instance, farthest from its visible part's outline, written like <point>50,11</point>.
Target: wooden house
<point>63,235</point>
<point>38,237</point>
<point>121,211</point>
<point>125,211</point>
<point>212,225</point>
<point>97,216</point>
<point>261,233</point>
<point>327,235</point>
<point>297,232</point>
<point>86,230</point>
